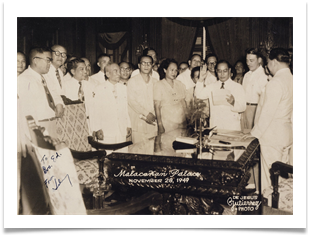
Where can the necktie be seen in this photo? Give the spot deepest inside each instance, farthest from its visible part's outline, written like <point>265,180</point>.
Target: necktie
<point>58,77</point>
<point>81,92</point>
<point>222,87</point>
<point>49,97</point>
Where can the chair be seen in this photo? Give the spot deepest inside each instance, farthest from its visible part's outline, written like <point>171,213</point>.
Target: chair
<point>56,170</point>
<point>281,192</point>
<point>89,154</point>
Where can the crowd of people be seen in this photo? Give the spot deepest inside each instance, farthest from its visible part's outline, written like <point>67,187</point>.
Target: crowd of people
<point>122,103</point>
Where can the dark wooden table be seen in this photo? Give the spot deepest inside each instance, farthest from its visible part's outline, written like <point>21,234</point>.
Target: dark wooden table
<point>188,182</point>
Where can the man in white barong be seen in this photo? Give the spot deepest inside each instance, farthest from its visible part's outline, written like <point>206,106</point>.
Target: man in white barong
<point>110,120</point>
<point>273,121</point>
<point>141,103</point>
<point>226,99</point>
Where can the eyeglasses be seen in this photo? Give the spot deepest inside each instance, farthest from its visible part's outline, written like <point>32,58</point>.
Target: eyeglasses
<point>222,71</point>
<point>63,54</point>
<point>125,69</point>
<point>146,63</point>
<point>48,60</point>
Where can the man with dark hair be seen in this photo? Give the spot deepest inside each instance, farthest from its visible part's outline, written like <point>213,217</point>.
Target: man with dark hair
<point>152,53</point>
<point>126,71</point>
<point>140,100</point>
<point>226,99</point>
<point>186,79</point>
<point>273,120</point>
<point>34,95</point>
<point>102,61</point>
<point>54,77</point>
<point>211,61</point>
<point>21,62</point>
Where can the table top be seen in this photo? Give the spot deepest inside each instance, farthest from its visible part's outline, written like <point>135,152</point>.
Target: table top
<point>155,164</point>
<point>160,149</point>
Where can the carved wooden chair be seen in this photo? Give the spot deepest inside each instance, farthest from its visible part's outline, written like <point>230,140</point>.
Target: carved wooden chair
<point>281,192</point>
<point>56,171</point>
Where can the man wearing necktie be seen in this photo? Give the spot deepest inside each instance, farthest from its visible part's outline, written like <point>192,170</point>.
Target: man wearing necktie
<point>226,98</point>
<point>54,77</point>
<point>36,99</point>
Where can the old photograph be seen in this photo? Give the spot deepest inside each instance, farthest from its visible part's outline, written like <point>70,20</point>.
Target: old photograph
<point>156,116</point>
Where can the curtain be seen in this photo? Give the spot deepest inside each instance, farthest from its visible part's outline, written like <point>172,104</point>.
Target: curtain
<point>230,39</point>
<point>112,41</point>
<point>177,40</point>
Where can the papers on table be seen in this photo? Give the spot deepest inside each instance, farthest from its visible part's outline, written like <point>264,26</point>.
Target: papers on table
<point>219,97</point>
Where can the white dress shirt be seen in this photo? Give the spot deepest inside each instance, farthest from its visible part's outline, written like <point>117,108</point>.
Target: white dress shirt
<point>186,79</point>
<point>33,99</point>
<point>99,77</point>
<point>52,81</point>
<point>140,100</point>
<point>253,84</point>
<point>224,116</point>
<point>71,89</point>
<point>210,78</point>
<point>154,74</point>
<point>111,112</point>
<point>273,125</point>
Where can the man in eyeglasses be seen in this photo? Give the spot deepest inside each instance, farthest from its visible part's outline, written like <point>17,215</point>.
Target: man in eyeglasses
<point>211,61</point>
<point>126,71</point>
<point>226,99</point>
<point>54,77</point>
<point>140,100</point>
<point>35,98</point>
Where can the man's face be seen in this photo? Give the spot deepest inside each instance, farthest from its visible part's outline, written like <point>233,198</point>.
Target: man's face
<point>182,67</point>
<point>59,56</point>
<point>211,63</point>
<point>43,62</point>
<point>145,65</point>
<point>114,73</point>
<point>223,72</point>
<point>195,62</point>
<point>125,71</point>
<point>153,55</point>
<point>88,66</point>
<point>239,68</point>
<point>80,73</point>
<point>21,63</point>
<point>103,61</point>
<point>252,61</point>
<point>196,77</point>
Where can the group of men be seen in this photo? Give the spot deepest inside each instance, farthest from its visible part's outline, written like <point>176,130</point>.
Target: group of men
<point>120,108</point>
<point>43,91</point>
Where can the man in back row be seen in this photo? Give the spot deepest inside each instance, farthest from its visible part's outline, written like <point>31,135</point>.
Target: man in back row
<point>103,60</point>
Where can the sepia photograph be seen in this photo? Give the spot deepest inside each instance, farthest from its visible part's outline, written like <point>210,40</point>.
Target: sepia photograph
<point>155,116</point>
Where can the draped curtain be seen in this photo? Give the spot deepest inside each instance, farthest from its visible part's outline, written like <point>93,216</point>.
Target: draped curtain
<point>232,37</point>
<point>177,40</point>
<point>112,40</point>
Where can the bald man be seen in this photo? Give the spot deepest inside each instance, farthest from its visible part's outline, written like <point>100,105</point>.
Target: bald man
<point>54,77</point>
<point>110,121</point>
